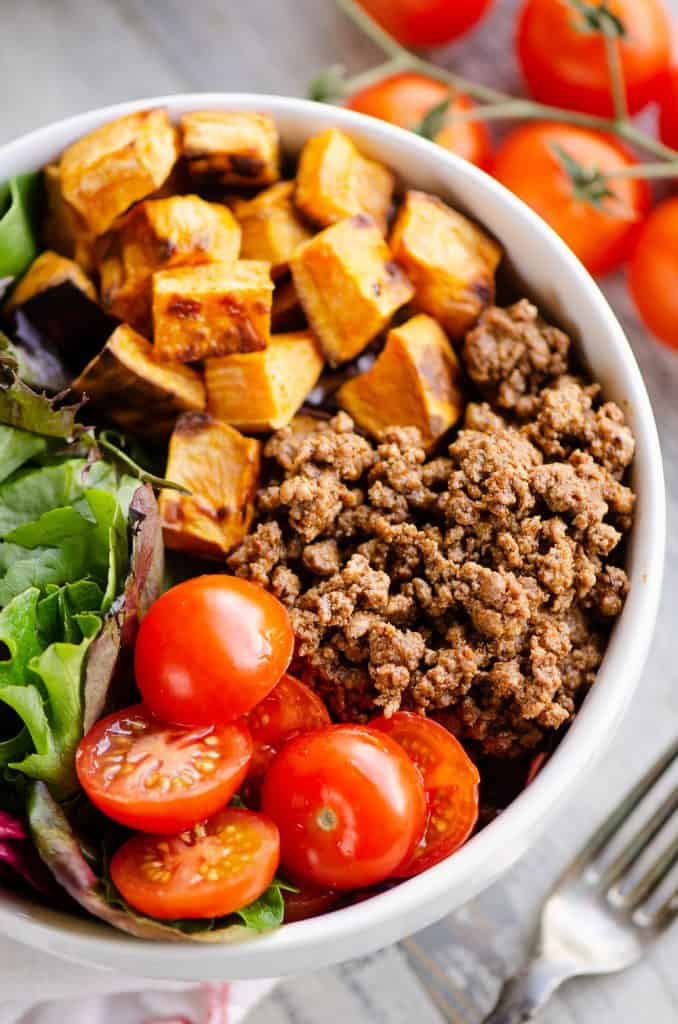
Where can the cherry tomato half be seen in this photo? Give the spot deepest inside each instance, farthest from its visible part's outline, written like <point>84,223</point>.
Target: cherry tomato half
<point>309,902</point>
<point>349,805</point>
<point>157,777</point>
<point>210,649</point>
<point>426,22</point>
<point>405,99</point>
<point>450,780</point>
<point>289,709</point>
<point>653,272</point>
<point>218,867</point>
<point>527,162</point>
<point>668,110</point>
<point>566,65</point>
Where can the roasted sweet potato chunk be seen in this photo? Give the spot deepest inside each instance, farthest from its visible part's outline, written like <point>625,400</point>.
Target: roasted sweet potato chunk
<point>263,390</point>
<point>60,302</point>
<point>212,310</point>
<point>159,234</point>
<point>271,226</point>
<point>231,147</point>
<point>450,261</point>
<point>64,230</point>
<point>128,385</point>
<point>415,382</point>
<point>348,285</point>
<point>221,469</point>
<point>117,164</point>
<point>335,181</point>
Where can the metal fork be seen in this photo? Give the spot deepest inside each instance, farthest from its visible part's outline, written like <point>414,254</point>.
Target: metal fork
<point>597,919</point>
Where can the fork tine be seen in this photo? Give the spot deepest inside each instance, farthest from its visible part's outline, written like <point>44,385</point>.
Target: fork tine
<point>665,915</point>
<point>610,826</point>
<point>650,880</point>
<point>641,840</point>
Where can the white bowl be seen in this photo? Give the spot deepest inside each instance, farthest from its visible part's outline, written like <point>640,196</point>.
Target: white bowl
<point>556,280</point>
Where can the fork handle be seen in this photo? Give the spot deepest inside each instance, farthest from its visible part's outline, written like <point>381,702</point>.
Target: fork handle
<point>523,996</point>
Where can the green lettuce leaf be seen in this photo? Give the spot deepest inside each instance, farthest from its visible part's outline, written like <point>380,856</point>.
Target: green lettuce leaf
<point>19,198</point>
<point>18,447</point>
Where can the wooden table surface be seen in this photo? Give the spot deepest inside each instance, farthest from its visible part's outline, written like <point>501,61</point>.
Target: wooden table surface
<point>59,57</point>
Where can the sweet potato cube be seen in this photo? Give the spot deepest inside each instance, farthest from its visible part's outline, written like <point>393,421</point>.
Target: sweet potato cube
<point>212,310</point>
<point>117,164</point>
<point>415,382</point>
<point>231,147</point>
<point>271,226</point>
<point>348,285</point>
<point>221,469</point>
<point>64,230</point>
<point>159,234</point>
<point>128,385</point>
<point>263,390</point>
<point>59,301</point>
<point>450,261</point>
<point>335,181</point>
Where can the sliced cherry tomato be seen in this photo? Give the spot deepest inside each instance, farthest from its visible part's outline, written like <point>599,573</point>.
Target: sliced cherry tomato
<point>217,867</point>
<point>528,163</point>
<point>349,805</point>
<point>451,783</point>
<point>426,22</point>
<point>289,709</point>
<point>210,649</point>
<point>309,902</point>
<point>668,110</point>
<point>566,64</point>
<point>653,272</point>
<point>157,777</point>
<point>405,100</point>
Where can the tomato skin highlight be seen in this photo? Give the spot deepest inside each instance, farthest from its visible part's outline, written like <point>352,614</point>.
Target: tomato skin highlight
<point>221,866</point>
<point>567,67</point>
<point>527,164</point>
<point>289,709</point>
<point>653,273</point>
<point>211,648</point>
<point>349,805</point>
<point>405,99</point>
<point>451,783</point>
<point>161,778</point>
<point>426,22</point>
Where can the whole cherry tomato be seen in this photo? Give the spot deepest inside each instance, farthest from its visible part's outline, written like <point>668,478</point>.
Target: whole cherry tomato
<point>426,22</point>
<point>653,272</point>
<point>450,780</point>
<point>218,867</point>
<point>405,100</point>
<point>289,709</point>
<point>668,110</point>
<point>529,164</point>
<point>157,777</point>
<point>210,649</point>
<point>565,63</point>
<point>349,804</point>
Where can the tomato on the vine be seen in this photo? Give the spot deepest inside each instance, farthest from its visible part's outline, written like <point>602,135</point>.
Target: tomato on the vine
<point>564,60</point>
<point>529,163</point>
<point>210,649</point>
<point>157,777</point>
<point>426,22</point>
<point>405,99</point>
<point>450,780</point>
<point>349,804</point>
<point>653,272</point>
<point>668,110</point>
<point>217,868</point>
<point>289,709</point>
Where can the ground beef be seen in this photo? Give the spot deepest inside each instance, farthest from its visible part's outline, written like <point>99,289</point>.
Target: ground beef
<point>479,584</point>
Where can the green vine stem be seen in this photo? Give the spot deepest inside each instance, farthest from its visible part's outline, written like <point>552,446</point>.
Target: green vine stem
<point>497,105</point>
